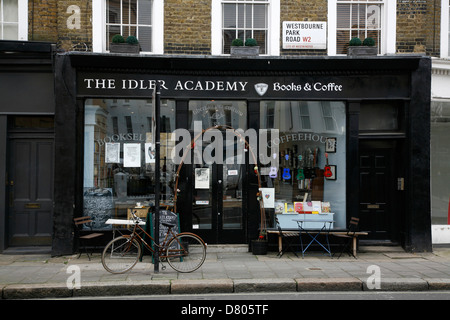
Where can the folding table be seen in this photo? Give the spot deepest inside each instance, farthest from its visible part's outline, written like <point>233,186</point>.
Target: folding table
<point>324,230</point>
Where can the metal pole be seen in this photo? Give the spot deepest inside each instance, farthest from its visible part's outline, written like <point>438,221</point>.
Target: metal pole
<point>156,108</point>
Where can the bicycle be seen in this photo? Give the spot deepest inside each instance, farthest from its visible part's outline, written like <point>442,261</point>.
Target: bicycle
<point>185,252</point>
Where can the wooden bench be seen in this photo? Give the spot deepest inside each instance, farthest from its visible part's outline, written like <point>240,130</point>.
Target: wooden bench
<point>292,232</point>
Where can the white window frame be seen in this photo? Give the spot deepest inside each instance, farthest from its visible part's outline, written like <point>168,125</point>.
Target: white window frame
<point>388,26</point>
<point>445,32</point>
<point>273,37</point>
<point>22,8</point>
<point>99,27</point>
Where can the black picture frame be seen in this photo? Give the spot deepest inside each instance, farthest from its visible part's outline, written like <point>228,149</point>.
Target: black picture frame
<point>333,169</point>
<point>330,145</point>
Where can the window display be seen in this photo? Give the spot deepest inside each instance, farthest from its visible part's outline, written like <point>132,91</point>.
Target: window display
<point>119,163</point>
<point>311,145</point>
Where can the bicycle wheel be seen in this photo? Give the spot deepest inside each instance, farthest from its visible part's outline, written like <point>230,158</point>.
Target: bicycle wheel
<point>186,252</point>
<point>121,254</point>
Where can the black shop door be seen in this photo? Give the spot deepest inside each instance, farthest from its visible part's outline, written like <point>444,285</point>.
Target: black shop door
<point>30,189</point>
<point>378,189</point>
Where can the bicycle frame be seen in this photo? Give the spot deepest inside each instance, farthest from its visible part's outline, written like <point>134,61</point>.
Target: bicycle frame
<point>136,233</point>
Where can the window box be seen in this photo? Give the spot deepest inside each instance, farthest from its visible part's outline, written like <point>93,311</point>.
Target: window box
<point>244,51</point>
<point>362,51</point>
<point>124,48</point>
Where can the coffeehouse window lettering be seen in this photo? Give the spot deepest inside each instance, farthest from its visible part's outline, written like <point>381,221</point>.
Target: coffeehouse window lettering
<point>310,148</point>
<point>119,159</point>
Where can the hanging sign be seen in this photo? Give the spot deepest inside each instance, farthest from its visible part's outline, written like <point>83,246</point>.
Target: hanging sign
<point>304,35</point>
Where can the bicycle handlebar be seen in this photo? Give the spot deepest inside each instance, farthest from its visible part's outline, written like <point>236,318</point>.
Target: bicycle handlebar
<point>136,219</point>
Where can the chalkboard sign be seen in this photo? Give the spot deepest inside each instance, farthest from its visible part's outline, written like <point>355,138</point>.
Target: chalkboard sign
<point>165,216</point>
<point>98,204</point>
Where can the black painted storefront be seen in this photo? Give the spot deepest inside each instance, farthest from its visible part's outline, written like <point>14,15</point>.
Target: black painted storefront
<point>357,82</point>
<point>26,143</point>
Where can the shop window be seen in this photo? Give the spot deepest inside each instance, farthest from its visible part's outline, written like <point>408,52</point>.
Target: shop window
<point>31,123</point>
<point>328,116</point>
<point>304,116</point>
<point>119,164</point>
<point>380,117</point>
<point>303,147</point>
<point>212,113</point>
<point>440,161</point>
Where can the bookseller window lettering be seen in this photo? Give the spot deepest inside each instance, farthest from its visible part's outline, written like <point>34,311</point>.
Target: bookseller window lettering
<point>311,152</point>
<point>119,163</point>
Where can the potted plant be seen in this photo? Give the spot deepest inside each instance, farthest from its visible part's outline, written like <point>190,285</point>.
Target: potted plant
<point>356,47</point>
<point>259,246</point>
<point>249,48</point>
<point>120,45</point>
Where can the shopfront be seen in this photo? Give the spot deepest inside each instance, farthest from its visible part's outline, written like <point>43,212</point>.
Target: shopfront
<point>336,136</point>
<point>26,144</point>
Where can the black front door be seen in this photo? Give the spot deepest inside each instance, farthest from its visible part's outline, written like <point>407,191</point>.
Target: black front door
<point>30,184</point>
<point>377,189</point>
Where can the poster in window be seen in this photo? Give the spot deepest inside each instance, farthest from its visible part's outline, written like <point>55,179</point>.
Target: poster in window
<point>330,145</point>
<point>132,155</point>
<point>201,178</point>
<point>279,207</point>
<point>268,196</point>
<point>149,153</point>
<point>112,152</point>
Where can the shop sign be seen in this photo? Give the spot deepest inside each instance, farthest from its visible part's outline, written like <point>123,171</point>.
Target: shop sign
<point>285,87</point>
<point>304,35</point>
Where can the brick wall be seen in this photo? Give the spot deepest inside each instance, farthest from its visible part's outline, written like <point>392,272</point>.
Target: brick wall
<point>187,27</point>
<point>74,25</point>
<point>418,26</point>
<point>302,10</point>
<point>66,23</point>
<point>187,24</point>
<point>42,20</point>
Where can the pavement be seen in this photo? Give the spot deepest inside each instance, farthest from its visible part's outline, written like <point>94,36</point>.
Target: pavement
<point>227,269</point>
